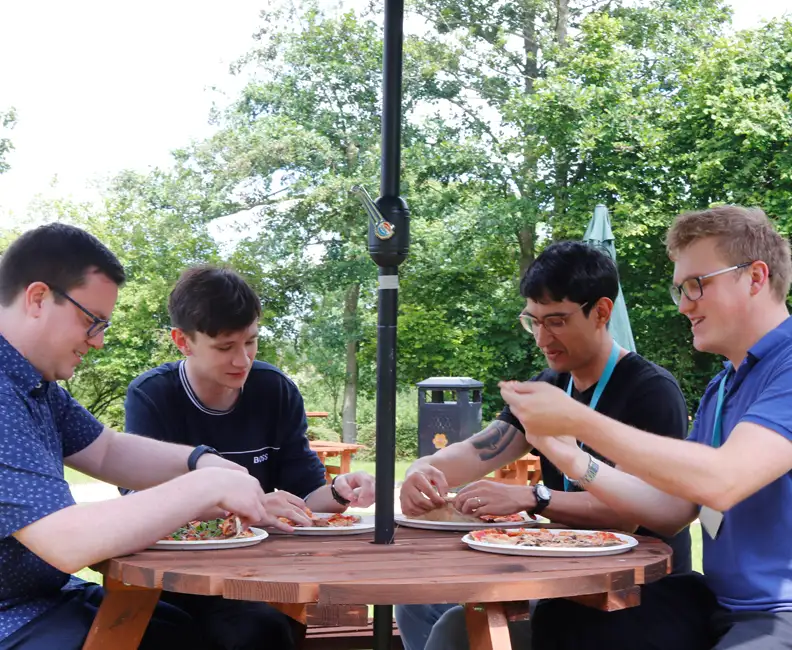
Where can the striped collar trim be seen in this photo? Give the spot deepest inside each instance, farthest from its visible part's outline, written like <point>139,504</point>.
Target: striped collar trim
<point>194,397</point>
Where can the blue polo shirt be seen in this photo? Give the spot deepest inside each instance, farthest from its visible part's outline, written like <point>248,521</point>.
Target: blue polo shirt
<point>40,425</point>
<point>749,566</point>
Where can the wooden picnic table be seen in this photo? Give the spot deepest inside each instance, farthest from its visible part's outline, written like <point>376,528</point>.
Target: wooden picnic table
<point>420,567</point>
<point>341,450</point>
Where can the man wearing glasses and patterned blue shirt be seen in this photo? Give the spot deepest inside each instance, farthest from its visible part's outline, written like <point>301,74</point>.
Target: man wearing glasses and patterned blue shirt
<point>58,286</point>
<point>570,290</point>
<point>732,273</point>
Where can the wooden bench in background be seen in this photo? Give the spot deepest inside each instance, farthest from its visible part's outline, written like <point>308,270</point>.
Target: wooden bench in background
<point>341,450</point>
<point>524,471</point>
<point>341,627</point>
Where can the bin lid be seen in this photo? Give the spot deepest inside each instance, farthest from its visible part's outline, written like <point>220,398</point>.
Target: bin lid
<point>449,382</point>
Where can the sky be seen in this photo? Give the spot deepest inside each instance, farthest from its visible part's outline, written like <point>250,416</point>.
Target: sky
<point>104,86</point>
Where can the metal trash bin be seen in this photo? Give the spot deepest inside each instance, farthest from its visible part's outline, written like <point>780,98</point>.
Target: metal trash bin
<point>449,410</point>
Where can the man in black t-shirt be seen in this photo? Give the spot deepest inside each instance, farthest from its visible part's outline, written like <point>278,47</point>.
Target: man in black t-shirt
<point>570,290</point>
<point>221,401</point>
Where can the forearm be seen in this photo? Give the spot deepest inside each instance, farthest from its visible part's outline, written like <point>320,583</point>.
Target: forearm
<point>683,469</point>
<point>636,500</point>
<point>322,500</point>
<point>584,510</point>
<point>497,445</point>
<point>81,535</point>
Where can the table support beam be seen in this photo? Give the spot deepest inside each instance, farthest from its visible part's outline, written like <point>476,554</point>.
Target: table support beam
<point>487,627</point>
<point>122,618</point>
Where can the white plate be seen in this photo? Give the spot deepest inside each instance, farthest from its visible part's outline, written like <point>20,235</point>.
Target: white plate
<point>212,544</point>
<point>366,525</point>
<point>463,527</point>
<point>629,542</point>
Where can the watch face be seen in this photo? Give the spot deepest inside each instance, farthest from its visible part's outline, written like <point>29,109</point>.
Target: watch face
<point>542,492</point>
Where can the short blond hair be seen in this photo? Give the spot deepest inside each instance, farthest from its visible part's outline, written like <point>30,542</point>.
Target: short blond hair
<point>742,234</point>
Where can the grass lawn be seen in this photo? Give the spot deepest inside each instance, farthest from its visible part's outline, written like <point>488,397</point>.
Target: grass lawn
<point>695,537</point>
<point>75,478</point>
<point>369,466</point>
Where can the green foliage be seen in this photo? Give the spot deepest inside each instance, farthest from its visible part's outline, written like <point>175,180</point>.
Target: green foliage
<point>7,122</point>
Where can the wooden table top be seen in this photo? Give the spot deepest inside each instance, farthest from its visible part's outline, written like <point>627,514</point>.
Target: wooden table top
<point>420,567</point>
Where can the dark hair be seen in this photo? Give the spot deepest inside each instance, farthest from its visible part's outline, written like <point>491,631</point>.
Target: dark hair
<point>57,254</point>
<point>210,300</point>
<point>571,270</point>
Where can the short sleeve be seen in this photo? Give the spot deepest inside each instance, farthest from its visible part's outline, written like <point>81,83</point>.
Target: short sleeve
<point>142,416</point>
<point>78,428</point>
<point>773,407</point>
<point>299,469</point>
<point>32,484</point>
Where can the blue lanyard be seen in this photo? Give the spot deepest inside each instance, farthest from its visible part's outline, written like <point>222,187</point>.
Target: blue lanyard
<point>717,426</point>
<point>613,359</point>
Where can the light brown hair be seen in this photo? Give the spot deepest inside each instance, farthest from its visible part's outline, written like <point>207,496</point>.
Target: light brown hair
<point>742,234</point>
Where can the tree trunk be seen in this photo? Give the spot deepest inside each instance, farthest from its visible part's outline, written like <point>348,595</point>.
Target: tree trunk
<point>562,20</point>
<point>349,406</point>
<point>526,242</point>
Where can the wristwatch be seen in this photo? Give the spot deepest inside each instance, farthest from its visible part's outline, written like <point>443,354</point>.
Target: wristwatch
<point>542,495</point>
<point>200,450</point>
<point>338,498</point>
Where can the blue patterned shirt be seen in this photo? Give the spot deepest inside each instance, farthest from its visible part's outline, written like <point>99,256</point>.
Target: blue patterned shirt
<point>40,425</point>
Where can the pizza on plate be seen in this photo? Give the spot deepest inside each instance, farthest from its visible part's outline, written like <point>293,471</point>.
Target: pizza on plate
<point>198,531</point>
<point>546,538</point>
<point>334,520</point>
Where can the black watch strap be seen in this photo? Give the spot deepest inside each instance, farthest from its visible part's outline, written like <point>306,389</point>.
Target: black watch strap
<point>541,504</point>
<point>200,450</point>
<point>338,498</point>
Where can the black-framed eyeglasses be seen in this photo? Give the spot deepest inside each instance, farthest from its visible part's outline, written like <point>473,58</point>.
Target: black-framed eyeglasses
<point>552,323</point>
<point>98,325</point>
<point>692,287</point>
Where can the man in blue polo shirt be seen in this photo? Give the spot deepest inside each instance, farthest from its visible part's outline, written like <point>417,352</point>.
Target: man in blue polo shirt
<point>58,287</point>
<point>248,411</point>
<point>732,274</point>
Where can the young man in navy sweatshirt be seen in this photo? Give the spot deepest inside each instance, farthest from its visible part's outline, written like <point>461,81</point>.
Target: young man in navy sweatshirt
<point>222,400</point>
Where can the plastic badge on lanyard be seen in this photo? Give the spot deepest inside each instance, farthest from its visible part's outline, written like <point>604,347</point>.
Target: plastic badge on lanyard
<point>613,359</point>
<point>710,518</point>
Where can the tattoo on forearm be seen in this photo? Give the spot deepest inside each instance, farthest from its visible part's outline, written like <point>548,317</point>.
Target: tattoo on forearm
<point>494,440</point>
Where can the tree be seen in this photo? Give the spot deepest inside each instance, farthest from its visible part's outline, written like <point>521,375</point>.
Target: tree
<point>7,122</point>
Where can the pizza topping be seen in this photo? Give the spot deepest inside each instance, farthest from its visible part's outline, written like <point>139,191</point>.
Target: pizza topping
<point>197,531</point>
<point>335,520</point>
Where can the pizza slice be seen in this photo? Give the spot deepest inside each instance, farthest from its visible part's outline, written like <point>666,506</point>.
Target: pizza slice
<point>197,531</point>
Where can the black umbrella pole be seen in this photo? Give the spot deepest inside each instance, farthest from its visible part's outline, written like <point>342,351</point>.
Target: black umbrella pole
<point>386,435</point>
<point>386,405</point>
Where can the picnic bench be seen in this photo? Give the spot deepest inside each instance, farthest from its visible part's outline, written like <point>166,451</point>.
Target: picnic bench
<point>421,566</point>
<point>523,471</point>
<point>342,451</point>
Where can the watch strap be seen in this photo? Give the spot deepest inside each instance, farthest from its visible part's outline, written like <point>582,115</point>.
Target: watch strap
<point>200,450</point>
<point>541,504</point>
<point>338,498</point>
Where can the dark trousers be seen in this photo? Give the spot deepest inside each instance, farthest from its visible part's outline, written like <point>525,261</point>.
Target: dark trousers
<point>66,625</point>
<point>676,613</point>
<point>237,624</point>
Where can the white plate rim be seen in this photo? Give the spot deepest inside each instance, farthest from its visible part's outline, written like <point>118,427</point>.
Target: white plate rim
<point>629,543</point>
<point>461,526</point>
<point>211,544</point>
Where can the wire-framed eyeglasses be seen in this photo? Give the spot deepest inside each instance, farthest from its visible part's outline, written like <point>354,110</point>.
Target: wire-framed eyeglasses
<point>553,323</point>
<point>692,287</point>
<point>98,325</point>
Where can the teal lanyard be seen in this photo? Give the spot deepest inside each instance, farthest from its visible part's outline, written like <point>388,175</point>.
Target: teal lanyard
<point>717,427</point>
<point>613,359</point>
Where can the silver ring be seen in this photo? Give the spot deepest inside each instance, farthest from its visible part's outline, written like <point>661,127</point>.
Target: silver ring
<point>478,500</point>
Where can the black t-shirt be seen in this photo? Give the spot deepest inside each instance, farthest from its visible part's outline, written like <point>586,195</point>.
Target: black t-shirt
<point>265,430</point>
<point>642,395</point>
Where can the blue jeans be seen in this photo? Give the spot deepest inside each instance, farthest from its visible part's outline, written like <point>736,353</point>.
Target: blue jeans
<point>416,622</point>
<point>443,627</point>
